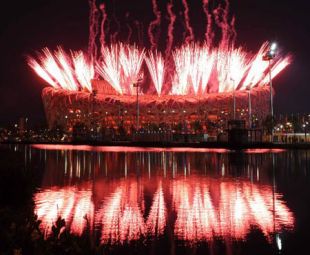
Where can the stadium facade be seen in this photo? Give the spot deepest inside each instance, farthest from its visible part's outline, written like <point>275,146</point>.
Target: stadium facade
<point>107,108</point>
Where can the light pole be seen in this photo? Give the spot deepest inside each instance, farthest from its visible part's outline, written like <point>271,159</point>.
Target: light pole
<point>305,129</point>
<point>269,56</point>
<point>234,97</point>
<point>136,85</point>
<point>250,106</point>
<point>93,120</point>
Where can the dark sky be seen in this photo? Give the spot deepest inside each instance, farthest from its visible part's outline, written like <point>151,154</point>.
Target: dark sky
<point>27,26</point>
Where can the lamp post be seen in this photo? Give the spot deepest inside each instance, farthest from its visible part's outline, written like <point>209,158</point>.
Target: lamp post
<point>136,85</point>
<point>250,106</point>
<point>269,56</point>
<point>234,97</point>
<point>305,129</point>
<point>93,120</point>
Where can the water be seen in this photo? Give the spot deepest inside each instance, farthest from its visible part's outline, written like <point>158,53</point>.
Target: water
<point>176,201</point>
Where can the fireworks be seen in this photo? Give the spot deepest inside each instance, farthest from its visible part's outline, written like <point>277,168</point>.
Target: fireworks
<point>155,63</point>
<point>110,67</point>
<point>61,70</point>
<point>131,60</point>
<point>190,69</point>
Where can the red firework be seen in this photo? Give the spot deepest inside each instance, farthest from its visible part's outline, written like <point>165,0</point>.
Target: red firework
<point>195,69</point>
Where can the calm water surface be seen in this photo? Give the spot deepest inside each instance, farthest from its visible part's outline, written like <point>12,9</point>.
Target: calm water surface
<point>176,201</point>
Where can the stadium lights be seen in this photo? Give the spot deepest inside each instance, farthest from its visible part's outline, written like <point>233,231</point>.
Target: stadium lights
<point>269,56</point>
<point>250,106</point>
<point>136,85</point>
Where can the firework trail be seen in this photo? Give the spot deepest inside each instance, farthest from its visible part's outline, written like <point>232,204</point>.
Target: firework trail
<point>182,67</point>
<point>84,71</point>
<point>103,22</point>
<point>110,67</point>
<point>257,69</point>
<point>227,28</point>
<point>172,19</point>
<point>206,66</point>
<point>66,69</point>
<point>209,33</point>
<point>276,69</point>
<point>190,34</point>
<point>139,27</point>
<point>231,66</point>
<point>169,65</point>
<point>41,72</point>
<point>195,72</point>
<point>197,69</point>
<point>91,27</point>
<point>93,30</point>
<point>62,70</point>
<point>118,25</point>
<point>129,29</point>
<point>192,69</point>
<point>129,33</point>
<point>131,59</point>
<point>155,63</point>
<point>153,25</point>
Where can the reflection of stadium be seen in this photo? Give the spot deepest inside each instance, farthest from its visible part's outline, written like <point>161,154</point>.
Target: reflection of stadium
<point>205,208</point>
<point>107,109</point>
<point>121,207</point>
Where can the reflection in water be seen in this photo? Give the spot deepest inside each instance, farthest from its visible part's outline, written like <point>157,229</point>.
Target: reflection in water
<point>156,221</point>
<point>142,195</point>
<point>74,206</point>
<point>122,218</point>
<point>212,208</point>
<point>204,207</point>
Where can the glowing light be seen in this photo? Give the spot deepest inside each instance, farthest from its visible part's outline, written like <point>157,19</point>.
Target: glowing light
<point>122,149</point>
<point>156,221</point>
<point>131,59</point>
<point>192,69</point>
<point>239,207</point>
<point>110,67</point>
<point>205,208</point>
<point>84,71</point>
<point>155,63</point>
<point>273,47</point>
<point>69,204</point>
<point>61,70</point>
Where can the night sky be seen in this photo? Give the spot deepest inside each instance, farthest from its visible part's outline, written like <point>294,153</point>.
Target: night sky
<point>27,26</point>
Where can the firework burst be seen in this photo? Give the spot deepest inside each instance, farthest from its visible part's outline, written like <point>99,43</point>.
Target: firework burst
<point>61,70</point>
<point>155,63</point>
<point>190,69</point>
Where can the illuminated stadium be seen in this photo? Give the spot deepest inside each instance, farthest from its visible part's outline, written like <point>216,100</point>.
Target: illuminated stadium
<point>119,83</point>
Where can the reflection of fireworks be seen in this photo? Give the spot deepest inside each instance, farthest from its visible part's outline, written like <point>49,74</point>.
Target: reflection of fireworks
<point>72,205</point>
<point>201,214</point>
<point>194,68</point>
<point>204,209</point>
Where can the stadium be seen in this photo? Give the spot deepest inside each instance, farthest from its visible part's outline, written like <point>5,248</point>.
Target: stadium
<point>190,85</point>
<point>66,109</point>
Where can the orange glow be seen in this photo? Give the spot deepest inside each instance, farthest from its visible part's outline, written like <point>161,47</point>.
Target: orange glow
<point>258,151</point>
<point>122,148</point>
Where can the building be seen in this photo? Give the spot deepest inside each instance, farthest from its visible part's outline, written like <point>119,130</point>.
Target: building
<point>108,109</point>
